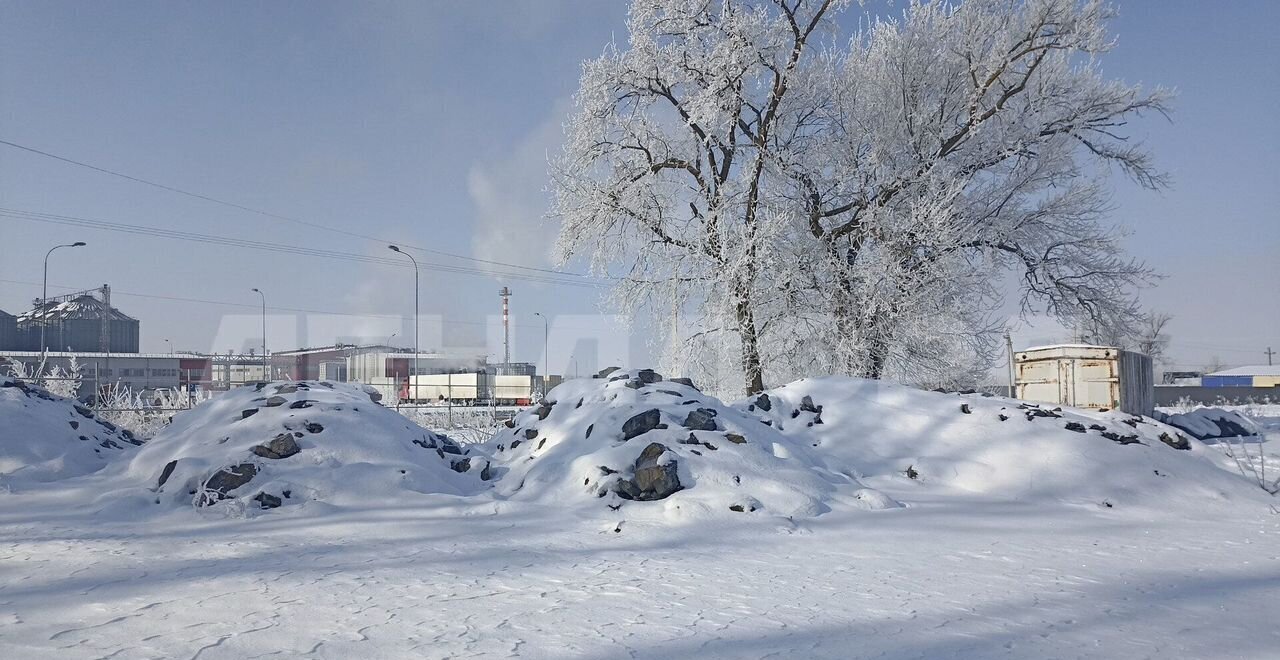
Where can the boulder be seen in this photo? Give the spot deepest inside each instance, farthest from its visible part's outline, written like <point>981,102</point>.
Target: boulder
<point>282,446</point>
<point>544,410</point>
<point>685,381</point>
<point>275,402</point>
<point>166,472</point>
<point>222,482</point>
<point>806,405</point>
<point>653,479</point>
<point>641,423</point>
<point>246,414</point>
<point>764,403</point>
<point>702,419</point>
<point>267,500</point>
<point>649,376</point>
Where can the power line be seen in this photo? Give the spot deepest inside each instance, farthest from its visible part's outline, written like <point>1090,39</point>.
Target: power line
<point>157,232</point>
<point>277,216</point>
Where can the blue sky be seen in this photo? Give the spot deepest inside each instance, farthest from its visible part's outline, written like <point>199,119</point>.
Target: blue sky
<point>429,124</point>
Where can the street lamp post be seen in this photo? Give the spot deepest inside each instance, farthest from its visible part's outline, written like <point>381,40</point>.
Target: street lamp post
<point>395,248</point>
<point>266,367</point>
<point>546,354</point>
<point>44,299</point>
<point>170,345</point>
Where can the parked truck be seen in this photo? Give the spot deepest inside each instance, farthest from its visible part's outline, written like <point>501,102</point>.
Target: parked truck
<point>1083,376</point>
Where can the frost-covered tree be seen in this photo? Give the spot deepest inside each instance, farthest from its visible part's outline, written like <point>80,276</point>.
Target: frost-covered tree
<point>854,209</point>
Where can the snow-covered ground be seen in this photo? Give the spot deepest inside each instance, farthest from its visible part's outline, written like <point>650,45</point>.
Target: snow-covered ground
<point>1019,538</point>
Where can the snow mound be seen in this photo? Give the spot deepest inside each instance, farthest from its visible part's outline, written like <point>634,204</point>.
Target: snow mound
<point>906,441</point>
<point>660,448</point>
<point>45,438</point>
<point>283,443</point>
<point>1212,423</point>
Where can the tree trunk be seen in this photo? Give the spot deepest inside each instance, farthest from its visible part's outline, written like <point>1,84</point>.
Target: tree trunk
<point>754,378</point>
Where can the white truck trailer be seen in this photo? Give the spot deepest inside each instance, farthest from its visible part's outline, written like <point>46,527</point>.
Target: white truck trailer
<point>1084,376</point>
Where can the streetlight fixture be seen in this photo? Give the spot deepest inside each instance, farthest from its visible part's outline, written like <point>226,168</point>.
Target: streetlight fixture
<point>44,301</point>
<point>395,248</point>
<point>266,368</point>
<point>170,344</point>
<point>546,355</point>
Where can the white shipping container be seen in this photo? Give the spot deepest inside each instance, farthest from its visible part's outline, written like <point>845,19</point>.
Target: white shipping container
<point>1091,377</point>
<point>513,388</point>
<point>435,387</point>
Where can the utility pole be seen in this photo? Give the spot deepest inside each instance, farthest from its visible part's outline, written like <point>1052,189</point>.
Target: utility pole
<point>266,367</point>
<point>1270,354</point>
<point>1008,347</point>
<point>506,327</point>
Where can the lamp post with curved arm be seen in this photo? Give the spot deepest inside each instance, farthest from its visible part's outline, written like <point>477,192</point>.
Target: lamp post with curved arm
<point>44,299</point>
<point>395,248</point>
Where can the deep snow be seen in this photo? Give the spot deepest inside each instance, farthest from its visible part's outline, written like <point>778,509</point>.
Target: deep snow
<point>1017,538</point>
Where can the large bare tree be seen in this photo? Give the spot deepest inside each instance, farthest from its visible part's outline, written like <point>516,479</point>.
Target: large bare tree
<point>853,209</point>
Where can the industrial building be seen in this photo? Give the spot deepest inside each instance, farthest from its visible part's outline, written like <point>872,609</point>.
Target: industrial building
<point>80,322</point>
<point>8,331</point>
<point>134,371</point>
<point>1250,376</point>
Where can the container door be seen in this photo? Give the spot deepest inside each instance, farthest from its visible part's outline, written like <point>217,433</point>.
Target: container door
<point>1097,385</point>
<point>1038,381</point>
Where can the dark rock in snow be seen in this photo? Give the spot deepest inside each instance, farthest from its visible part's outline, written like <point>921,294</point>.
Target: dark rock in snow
<point>806,404</point>
<point>246,414</point>
<point>167,472</point>
<point>544,410</point>
<point>84,412</point>
<point>604,373</point>
<point>649,376</point>
<point>590,428</point>
<point>530,434</point>
<point>510,423</point>
<point>282,446</point>
<point>702,419</point>
<point>685,381</point>
<point>1097,427</point>
<point>964,408</point>
<point>226,480</point>
<point>653,480</point>
<point>735,438</point>
<point>1121,439</point>
<point>275,402</point>
<point>1177,443</point>
<point>764,403</point>
<point>74,424</point>
<point>634,383</point>
<point>1075,426</point>
<point>300,404</point>
<point>313,427</point>
<point>462,465</point>
<point>267,500</point>
<point>641,423</point>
